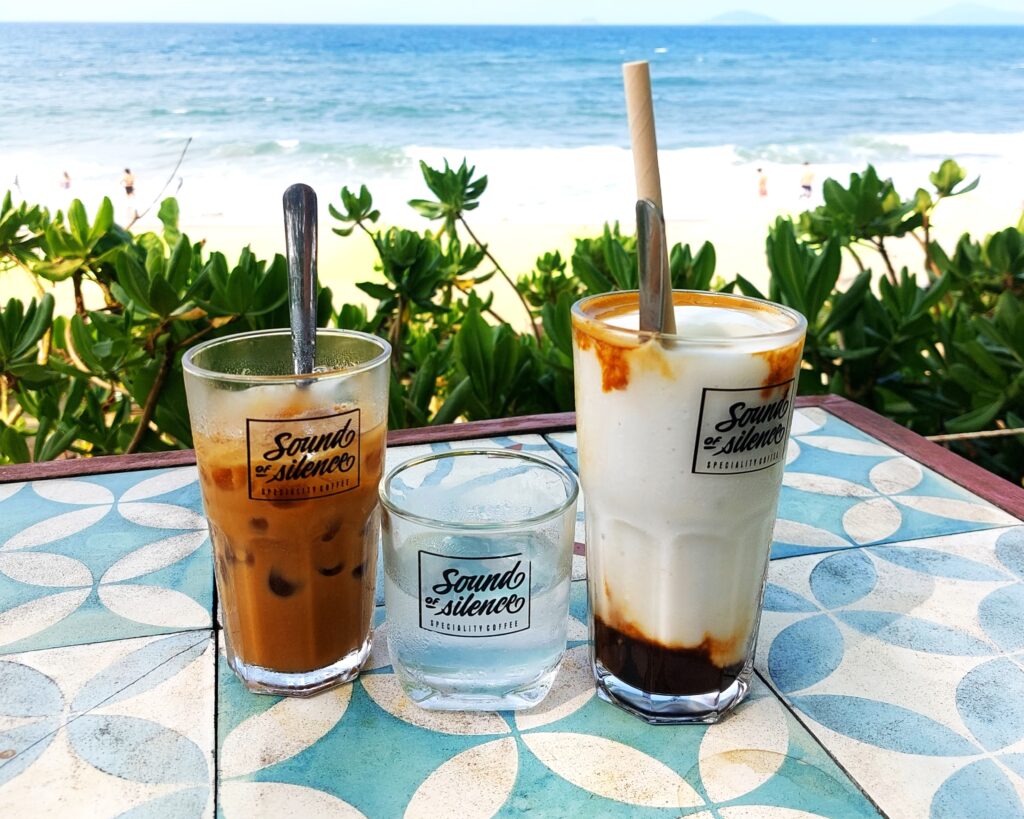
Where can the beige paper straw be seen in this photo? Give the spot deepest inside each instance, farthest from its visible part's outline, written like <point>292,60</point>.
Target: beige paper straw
<point>640,109</point>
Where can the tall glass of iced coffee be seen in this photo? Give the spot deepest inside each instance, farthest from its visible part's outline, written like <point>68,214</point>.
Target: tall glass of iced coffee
<point>289,467</point>
<point>682,442</point>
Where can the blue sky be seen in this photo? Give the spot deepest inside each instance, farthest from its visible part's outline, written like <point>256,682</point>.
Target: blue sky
<point>477,11</point>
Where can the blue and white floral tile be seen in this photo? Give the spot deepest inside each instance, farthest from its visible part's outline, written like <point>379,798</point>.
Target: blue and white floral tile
<point>842,488</point>
<point>101,558</point>
<point>907,662</point>
<point>366,750</point>
<point>124,728</point>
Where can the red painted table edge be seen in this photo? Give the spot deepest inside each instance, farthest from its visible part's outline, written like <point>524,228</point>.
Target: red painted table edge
<point>980,481</point>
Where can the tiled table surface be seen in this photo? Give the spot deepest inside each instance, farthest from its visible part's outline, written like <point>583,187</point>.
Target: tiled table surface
<point>890,663</point>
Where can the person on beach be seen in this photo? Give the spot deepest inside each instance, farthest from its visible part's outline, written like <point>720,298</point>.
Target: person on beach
<point>762,183</point>
<point>128,181</point>
<point>65,182</point>
<point>806,181</point>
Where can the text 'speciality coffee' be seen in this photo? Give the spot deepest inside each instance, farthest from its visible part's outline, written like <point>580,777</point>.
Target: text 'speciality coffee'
<point>682,442</point>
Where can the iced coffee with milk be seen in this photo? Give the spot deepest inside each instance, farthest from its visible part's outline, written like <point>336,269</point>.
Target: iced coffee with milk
<point>289,468</point>
<point>682,442</point>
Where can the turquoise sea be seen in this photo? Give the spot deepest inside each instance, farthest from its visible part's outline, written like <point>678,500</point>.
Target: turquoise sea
<point>540,106</point>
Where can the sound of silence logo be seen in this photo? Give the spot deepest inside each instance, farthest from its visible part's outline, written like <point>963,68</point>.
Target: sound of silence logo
<point>303,458</point>
<point>742,430</point>
<point>474,596</point>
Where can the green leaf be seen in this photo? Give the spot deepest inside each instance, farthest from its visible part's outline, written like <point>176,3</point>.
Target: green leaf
<point>976,419</point>
<point>37,321</point>
<point>456,403</point>
<point>586,271</point>
<point>34,376</point>
<point>504,360</point>
<point>968,378</point>
<point>748,288</point>
<point>424,207</point>
<point>78,222</point>
<point>474,349</point>
<point>845,305</point>
<point>169,216</point>
<point>557,321</point>
<point>922,201</point>
<point>83,344</point>
<point>823,277</point>
<point>985,361</point>
<point>788,264</point>
<point>423,384</point>
<point>180,265</point>
<point>848,354</point>
<point>836,196</point>
<point>57,271</point>
<point>622,267</point>
<point>162,296</point>
<point>13,446</point>
<point>104,221</point>
<point>949,175</point>
<point>57,443</point>
<point>381,292</point>
<point>133,280</point>
<point>704,267</point>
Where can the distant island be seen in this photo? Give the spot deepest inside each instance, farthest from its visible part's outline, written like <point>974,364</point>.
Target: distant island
<point>972,14</point>
<point>741,18</point>
<point>959,14</point>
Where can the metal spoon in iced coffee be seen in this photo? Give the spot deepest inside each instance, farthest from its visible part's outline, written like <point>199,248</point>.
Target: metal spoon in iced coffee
<point>300,242</point>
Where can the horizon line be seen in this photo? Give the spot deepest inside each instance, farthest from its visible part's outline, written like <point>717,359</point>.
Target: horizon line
<point>579,24</point>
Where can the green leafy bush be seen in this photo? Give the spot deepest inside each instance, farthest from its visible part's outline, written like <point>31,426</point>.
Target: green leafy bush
<point>940,348</point>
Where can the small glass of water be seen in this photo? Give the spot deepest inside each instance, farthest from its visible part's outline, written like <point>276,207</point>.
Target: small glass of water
<point>477,557</point>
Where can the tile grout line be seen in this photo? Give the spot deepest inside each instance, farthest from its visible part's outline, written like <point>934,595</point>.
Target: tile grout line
<point>5,654</point>
<point>216,720</point>
<point>214,609</point>
<point>125,687</point>
<point>896,543</point>
<point>561,457</point>
<point>797,716</point>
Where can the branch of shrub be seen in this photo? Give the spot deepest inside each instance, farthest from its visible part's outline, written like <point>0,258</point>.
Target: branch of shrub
<point>154,393</point>
<point>967,436</point>
<point>879,244</point>
<point>504,275</point>
<point>170,179</point>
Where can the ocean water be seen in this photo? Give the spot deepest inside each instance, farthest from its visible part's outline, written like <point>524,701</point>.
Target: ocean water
<point>539,109</point>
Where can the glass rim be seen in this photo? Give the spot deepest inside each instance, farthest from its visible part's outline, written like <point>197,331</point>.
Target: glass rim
<point>798,328</point>
<point>189,366</point>
<point>568,479</point>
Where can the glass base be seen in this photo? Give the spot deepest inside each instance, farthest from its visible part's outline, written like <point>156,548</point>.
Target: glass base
<point>667,709</point>
<point>261,680</point>
<point>446,694</point>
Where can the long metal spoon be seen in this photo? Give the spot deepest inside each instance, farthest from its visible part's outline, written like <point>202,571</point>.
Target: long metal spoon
<point>300,245</point>
<point>657,314</point>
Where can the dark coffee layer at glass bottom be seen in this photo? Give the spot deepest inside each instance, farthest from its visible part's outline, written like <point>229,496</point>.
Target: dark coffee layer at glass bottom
<point>654,668</point>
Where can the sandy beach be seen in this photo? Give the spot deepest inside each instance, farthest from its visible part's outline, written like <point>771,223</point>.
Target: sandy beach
<point>719,204</point>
